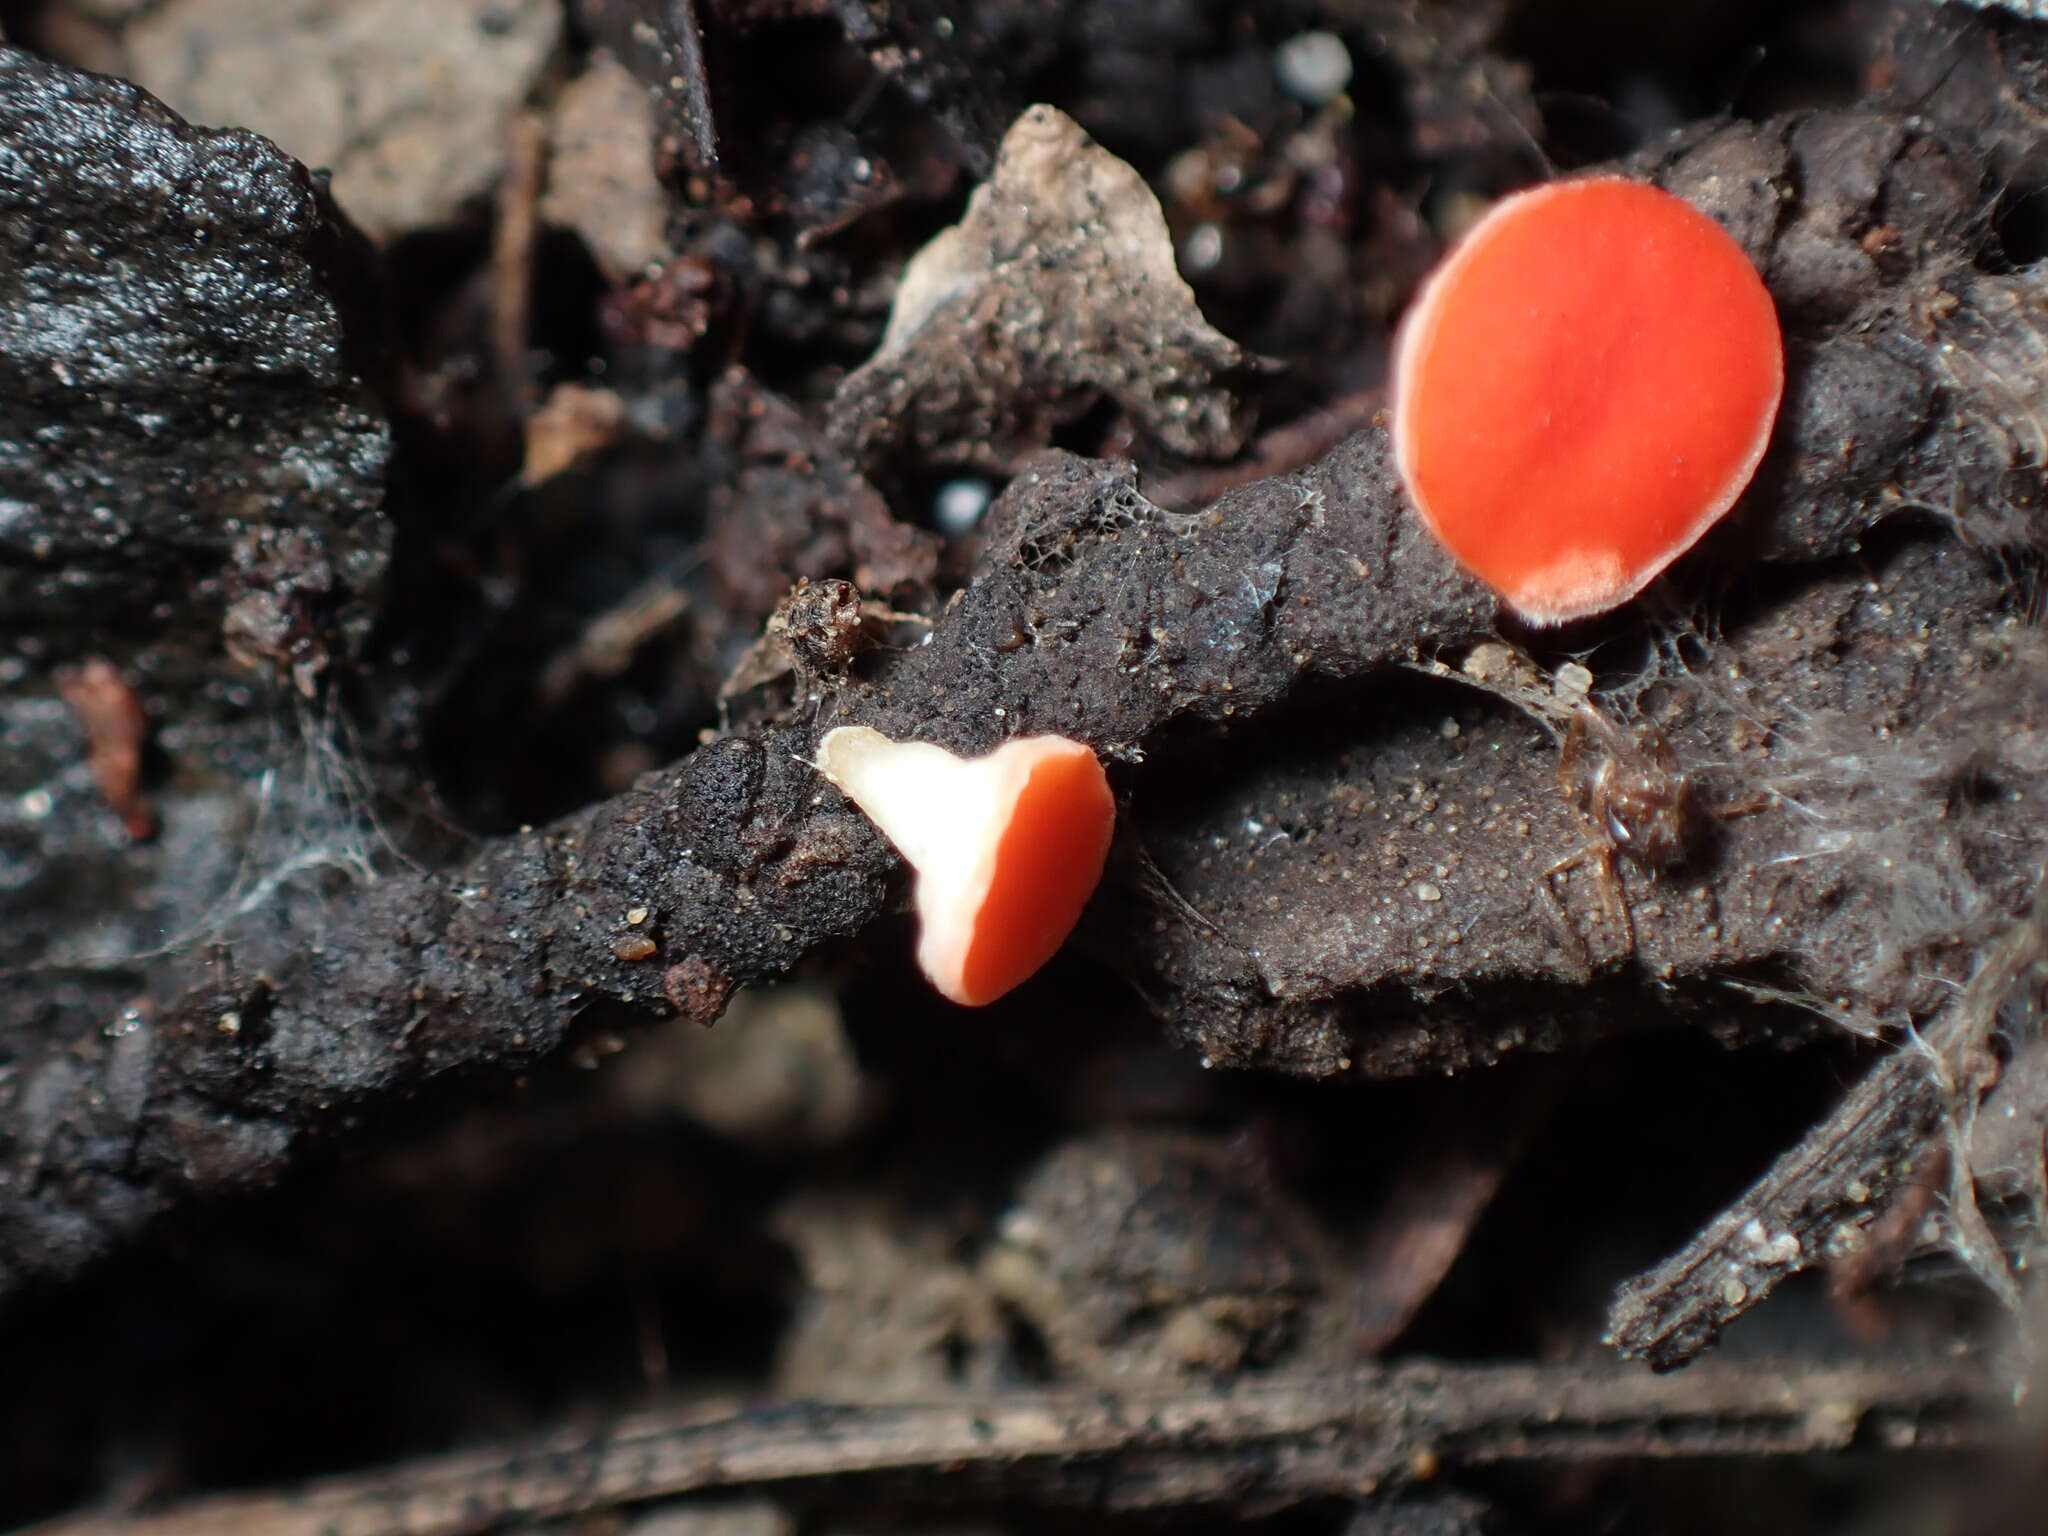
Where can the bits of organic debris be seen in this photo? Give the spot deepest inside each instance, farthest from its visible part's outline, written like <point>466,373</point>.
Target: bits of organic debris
<point>1315,67</point>
<point>779,1073</point>
<point>572,423</point>
<point>831,180</point>
<point>609,642</point>
<point>116,731</point>
<point>515,236</point>
<point>1147,1256</point>
<point>919,47</point>
<point>817,632</point>
<point>668,311</point>
<point>887,1308</point>
<point>664,45</point>
<point>697,989</point>
<point>283,585</point>
<point>1451,1170</point>
<point>1057,288</point>
<point>1907,1116</point>
<point>797,508</point>
<point>825,624</point>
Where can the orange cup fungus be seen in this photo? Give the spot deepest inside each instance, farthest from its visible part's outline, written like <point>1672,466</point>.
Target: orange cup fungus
<point>1581,390</point>
<point>1007,848</point>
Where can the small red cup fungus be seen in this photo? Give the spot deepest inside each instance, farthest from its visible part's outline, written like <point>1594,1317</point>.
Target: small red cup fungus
<point>1581,389</point>
<point>1007,848</point>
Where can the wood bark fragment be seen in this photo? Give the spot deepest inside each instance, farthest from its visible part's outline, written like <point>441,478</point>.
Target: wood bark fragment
<point>1276,1440</point>
<point>1818,1200</point>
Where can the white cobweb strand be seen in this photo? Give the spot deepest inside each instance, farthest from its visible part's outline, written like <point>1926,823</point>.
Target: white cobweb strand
<point>945,814</point>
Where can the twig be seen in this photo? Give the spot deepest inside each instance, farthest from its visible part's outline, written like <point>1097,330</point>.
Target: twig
<point>1276,1440</point>
<point>690,85</point>
<point>1817,1200</point>
<point>512,244</point>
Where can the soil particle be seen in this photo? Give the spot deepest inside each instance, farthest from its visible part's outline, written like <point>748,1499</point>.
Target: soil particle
<point>1142,1256</point>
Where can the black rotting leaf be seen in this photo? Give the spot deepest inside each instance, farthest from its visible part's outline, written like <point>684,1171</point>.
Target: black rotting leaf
<point>187,349</point>
<point>1056,289</point>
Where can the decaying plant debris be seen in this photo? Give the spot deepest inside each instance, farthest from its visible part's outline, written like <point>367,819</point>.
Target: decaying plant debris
<point>1057,288</point>
<point>414,654</point>
<point>1288,1437</point>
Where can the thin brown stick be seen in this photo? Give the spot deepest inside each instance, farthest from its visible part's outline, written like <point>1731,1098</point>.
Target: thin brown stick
<point>1276,1440</point>
<point>1817,1201</point>
<point>512,245</point>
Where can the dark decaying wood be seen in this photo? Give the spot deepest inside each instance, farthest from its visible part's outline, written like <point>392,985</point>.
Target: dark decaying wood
<point>1275,1441</point>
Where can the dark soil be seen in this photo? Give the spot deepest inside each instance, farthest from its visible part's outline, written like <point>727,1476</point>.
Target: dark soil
<point>458,456</point>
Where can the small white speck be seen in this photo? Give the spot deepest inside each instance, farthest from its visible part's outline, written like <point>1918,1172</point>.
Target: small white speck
<point>1313,67</point>
<point>958,505</point>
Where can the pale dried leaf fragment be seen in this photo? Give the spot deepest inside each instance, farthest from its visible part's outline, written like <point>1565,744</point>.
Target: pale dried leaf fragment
<point>1057,288</point>
<point>601,179</point>
<point>408,105</point>
<point>574,423</point>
